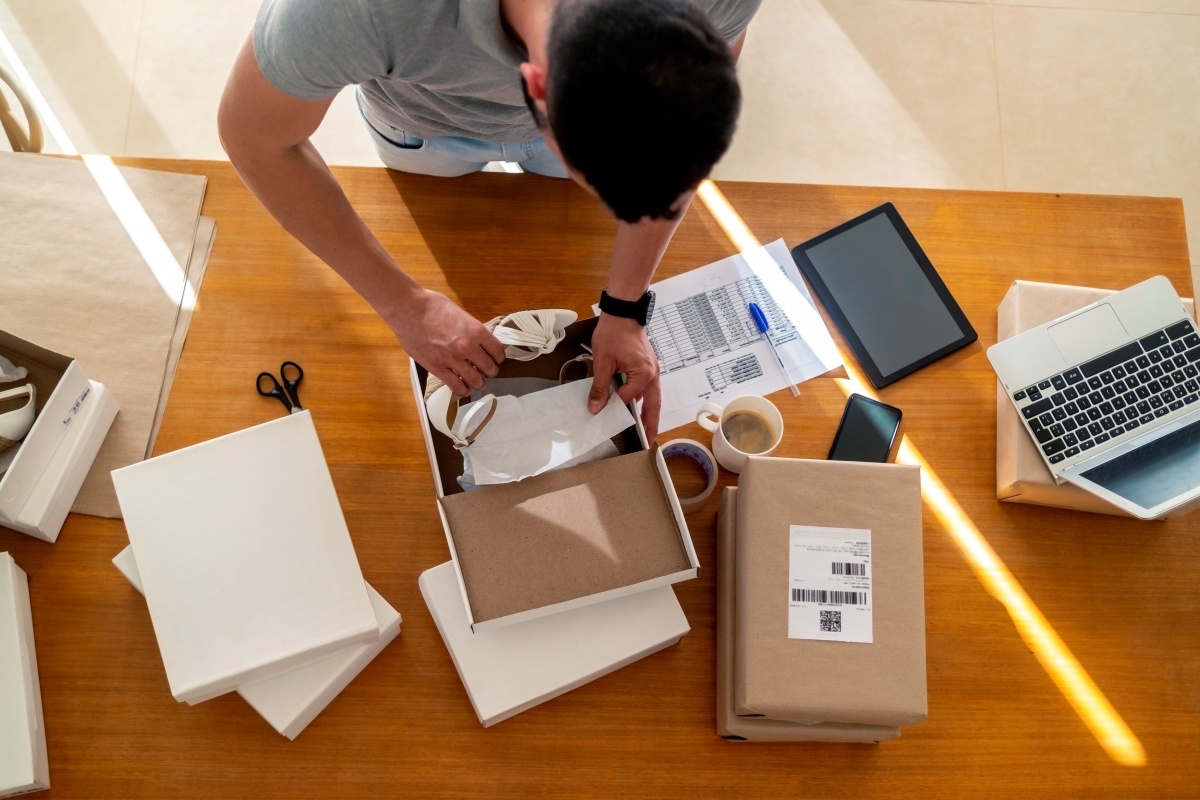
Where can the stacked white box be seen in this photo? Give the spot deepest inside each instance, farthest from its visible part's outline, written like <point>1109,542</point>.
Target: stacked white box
<point>290,701</point>
<point>510,669</point>
<point>245,558</point>
<point>23,764</point>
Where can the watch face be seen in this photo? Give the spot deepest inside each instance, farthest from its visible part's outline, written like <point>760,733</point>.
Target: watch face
<point>649,306</point>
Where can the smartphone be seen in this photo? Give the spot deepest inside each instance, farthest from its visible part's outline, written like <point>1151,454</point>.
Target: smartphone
<point>866,432</point>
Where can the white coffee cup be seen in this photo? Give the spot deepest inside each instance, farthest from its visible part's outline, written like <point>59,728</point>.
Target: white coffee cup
<point>747,426</point>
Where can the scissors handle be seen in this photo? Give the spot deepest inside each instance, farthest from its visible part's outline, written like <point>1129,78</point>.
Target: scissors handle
<point>273,389</point>
<point>292,375</point>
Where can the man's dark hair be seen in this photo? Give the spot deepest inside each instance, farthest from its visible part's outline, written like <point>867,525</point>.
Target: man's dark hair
<point>642,98</point>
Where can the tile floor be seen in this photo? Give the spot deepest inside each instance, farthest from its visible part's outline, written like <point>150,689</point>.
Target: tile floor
<point>1097,96</point>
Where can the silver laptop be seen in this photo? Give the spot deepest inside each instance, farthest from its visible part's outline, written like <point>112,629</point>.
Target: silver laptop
<point>1109,393</point>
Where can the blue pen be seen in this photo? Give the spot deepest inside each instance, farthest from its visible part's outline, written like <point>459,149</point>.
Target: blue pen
<point>760,320</point>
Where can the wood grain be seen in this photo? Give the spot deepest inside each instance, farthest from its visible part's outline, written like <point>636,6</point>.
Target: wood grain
<point>1123,595</point>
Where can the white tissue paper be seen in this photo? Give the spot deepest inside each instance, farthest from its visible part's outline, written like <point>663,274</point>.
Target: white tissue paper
<point>535,433</point>
<point>10,371</point>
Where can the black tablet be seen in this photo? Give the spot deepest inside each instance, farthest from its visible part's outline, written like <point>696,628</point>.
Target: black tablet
<point>883,294</point>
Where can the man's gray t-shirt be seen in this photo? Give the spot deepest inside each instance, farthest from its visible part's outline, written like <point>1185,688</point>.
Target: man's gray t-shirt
<point>429,67</point>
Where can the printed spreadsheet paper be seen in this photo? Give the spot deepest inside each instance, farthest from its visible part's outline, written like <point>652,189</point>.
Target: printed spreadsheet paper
<point>829,584</point>
<point>708,347</point>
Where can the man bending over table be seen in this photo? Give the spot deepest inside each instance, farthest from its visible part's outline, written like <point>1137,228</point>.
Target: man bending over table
<point>634,100</point>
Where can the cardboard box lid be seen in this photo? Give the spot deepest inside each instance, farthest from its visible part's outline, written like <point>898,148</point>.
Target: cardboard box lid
<point>288,702</point>
<point>23,763</point>
<point>244,555</point>
<point>1021,474</point>
<point>565,534</point>
<point>511,669</point>
<point>801,680</point>
<point>761,729</point>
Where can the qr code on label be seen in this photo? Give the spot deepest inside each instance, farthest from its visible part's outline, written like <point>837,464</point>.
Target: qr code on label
<point>831,622</point>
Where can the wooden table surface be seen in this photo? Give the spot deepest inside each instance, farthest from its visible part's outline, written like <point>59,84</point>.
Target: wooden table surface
<point>1123,596</point>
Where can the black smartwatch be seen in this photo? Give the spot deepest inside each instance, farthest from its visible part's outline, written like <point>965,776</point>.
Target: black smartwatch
<point>639,310</point>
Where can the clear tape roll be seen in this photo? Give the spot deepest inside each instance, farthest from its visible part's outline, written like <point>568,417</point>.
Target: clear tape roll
<point>690,448</point>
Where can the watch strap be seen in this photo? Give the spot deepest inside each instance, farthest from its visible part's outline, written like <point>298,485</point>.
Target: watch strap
<point>627,309</point>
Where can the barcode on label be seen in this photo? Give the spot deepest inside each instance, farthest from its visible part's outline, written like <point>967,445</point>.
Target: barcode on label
<point>847,568</point>
<point>832,598</point>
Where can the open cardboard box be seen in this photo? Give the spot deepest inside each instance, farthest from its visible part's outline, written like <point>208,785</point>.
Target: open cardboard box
<point>42,474</point>
<point>1021,475</point>
<point>566,538</point>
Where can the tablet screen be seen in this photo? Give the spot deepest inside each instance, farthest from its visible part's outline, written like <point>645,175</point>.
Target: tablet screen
<point>884,295</point>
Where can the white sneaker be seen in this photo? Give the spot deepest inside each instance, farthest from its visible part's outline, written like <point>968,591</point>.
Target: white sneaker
<point>16,423</point>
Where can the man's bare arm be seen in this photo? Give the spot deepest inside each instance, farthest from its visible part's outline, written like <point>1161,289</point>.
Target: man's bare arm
<point>621,345</point>
<point>266,134</point>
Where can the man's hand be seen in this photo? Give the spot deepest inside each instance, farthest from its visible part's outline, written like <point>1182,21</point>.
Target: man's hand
<point>621,345</point>
<point>448,341</point>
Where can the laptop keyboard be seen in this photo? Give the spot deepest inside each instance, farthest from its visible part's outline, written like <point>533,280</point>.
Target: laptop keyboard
<point>1105,398</point>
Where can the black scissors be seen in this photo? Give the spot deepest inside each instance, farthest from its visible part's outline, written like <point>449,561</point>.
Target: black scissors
<point>288,393</point>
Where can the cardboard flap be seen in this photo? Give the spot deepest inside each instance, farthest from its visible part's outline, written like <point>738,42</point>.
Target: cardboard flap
<point>564,535</point>
<point>881,683</point>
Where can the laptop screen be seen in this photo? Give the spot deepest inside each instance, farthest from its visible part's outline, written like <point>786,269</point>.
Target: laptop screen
<point>1162,470</point>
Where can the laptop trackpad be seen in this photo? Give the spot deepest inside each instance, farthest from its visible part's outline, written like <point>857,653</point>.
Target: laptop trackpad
<point>1088,334</point>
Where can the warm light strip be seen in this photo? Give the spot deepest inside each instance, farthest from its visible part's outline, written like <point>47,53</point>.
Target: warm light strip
<point>1067,673</point>
<point>142,231</point>
<point>129,210</point>
<point>729,220</point>
<point>799,308</point>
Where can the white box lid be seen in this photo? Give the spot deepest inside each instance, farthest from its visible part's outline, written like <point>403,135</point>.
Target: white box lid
<point>244,555</point>
<point>293,699</point>
<point>510,669</point>
<point>23,764</point>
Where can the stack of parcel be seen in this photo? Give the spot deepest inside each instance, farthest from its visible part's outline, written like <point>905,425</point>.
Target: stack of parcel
<point>820,611</point>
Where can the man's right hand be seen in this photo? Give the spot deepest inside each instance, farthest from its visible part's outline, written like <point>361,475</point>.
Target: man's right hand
<point>448,342</point>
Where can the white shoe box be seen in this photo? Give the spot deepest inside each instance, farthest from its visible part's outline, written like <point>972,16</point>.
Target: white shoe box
<point>41,476</point>
<point>245,558</point>
<point>23,765</point>
<point>292,700</point>
<point>510,669</point>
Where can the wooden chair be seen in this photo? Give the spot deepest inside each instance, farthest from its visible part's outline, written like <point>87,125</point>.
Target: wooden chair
<point>25,138</point>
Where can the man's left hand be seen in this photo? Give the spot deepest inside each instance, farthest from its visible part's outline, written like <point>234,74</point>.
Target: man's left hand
<point>621,345</point>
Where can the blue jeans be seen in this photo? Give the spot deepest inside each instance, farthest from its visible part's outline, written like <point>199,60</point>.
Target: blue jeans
<point>450,156</point>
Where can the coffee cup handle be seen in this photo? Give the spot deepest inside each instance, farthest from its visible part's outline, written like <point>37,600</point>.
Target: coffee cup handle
<point>709,416</point>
